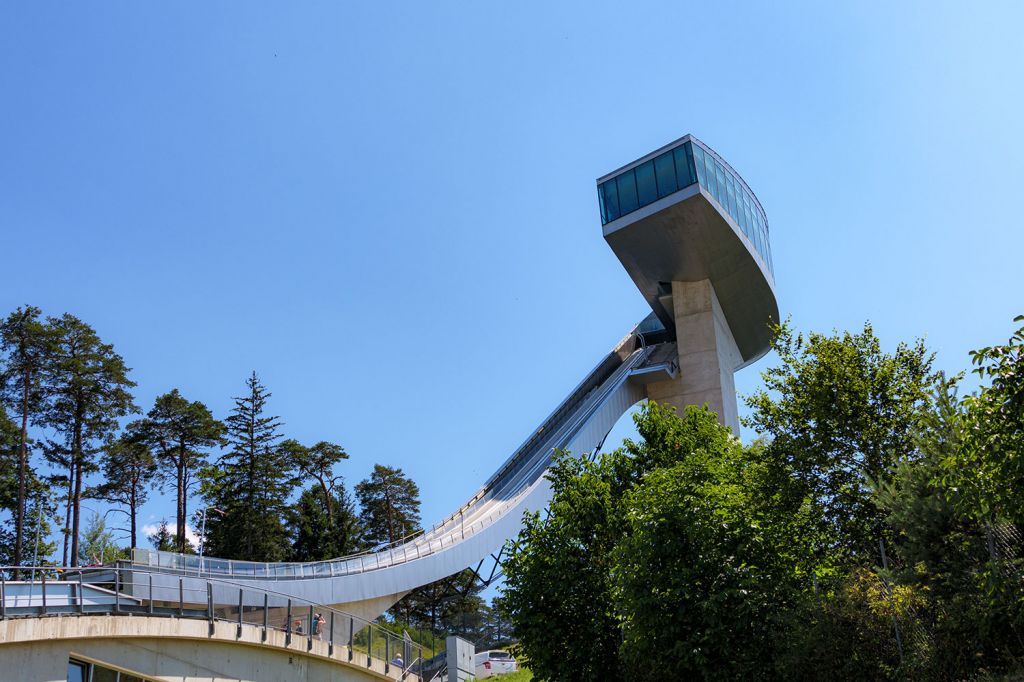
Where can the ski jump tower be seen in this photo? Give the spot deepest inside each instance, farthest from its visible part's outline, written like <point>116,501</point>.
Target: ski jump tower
<point>694,238</point>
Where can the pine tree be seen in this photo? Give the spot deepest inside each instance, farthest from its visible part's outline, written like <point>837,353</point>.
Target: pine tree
<point>390,503</point>
<point>28,344</point>
<point>319,535</point>
<point>98,545</point>
<point>179,431</point>
<point>128,472</point>
<point>250,484</point>
<point>162,540</point>
<point>89,392</point>
<point>318,462</point>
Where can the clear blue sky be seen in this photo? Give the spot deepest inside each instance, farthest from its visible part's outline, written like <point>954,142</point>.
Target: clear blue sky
<point>389,210</point>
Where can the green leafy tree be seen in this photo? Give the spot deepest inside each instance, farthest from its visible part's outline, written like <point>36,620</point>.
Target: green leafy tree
<point>989,467</point>
<point>128,471</point>
<point>27,343</point>
<point>180,432</point>
<point>251,484</point>
<point>89,388</point>
<point>558,577</point>
<point>390,503</point>
<point>841,413</point>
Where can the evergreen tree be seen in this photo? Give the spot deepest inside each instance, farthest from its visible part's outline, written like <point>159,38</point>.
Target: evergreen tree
<point>318,462</point>
<point>89,392</point>
<point>318,535</point>
<point>98,545</point>
<point>250,484</point>
<point>28,344</point>
<point>162,540</point>
<point>390,503</point>
<point>179,431</point>
<point>128,472</point>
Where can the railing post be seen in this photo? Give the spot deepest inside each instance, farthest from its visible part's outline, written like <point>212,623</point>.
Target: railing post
<point>209,604</point>
<point>351,636</point>
<point>117,592</point>
<point>44,592</point>
<point>387,653</point>
<point>181,596</point>
<point>3,595</point>
<point>266,615</point>
<point>238,633</point>
<point>151,600</point>
<point>369,644</point>
<point>288,625</point>
<point>330,637</point>
<point>81,595</point>
<point>309,630</point>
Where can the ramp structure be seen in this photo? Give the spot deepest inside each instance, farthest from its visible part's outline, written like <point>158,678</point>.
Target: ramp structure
<point>694,239</point>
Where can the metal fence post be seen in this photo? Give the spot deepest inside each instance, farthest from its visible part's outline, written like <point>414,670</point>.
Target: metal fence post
<point>117,591</point>
<point>44,592</point>
<point>238,633</point>
<point>330,637</point>
<point>3,595</point>
<point>181,596</point>
<point>81,595</point>
<point>351,636</point>
<point>266,615</point>
<point>369,644</point>
<point>387,653</point>
<point>151,600</point>
<point>209,604</point>
<point>288,625</point>
<point>309,630</point>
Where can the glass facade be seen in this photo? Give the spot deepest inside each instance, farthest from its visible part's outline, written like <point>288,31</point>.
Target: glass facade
<point>676,169</point>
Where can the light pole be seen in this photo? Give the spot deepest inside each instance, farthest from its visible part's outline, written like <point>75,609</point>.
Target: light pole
<point>202,535</point>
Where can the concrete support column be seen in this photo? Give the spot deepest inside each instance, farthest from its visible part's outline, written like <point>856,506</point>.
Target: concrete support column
<point>708,355</point>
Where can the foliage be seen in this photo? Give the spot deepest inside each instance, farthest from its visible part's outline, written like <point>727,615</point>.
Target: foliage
<point>128,472</point>
<point>841,413</point>
<point>318,534</point>
<point>98,545</point>
<point>27,343</point>
<point>390,503</point>
<point>165,541</point>
<point>250,484</point>
<point>179,431</point>
<point>558,591</point>
<point>989,469</point>
<point>89,388</point>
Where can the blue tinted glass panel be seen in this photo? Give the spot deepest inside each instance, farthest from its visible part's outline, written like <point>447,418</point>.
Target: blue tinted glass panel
<point>646,187</point>
<point>600,201</point>
<point>684,176</point>
<point>744,210</point>
<point>665,169</point>
<point>689,162</point>
<point>76,672</point>
<point>730,197</point>
<point>698,162</point>
<point>720,176</point>
<point>611,200</point>
<point>627,193</point>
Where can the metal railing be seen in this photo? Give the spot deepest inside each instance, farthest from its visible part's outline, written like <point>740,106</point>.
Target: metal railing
<point>558,427</point>
<point>130,591</point>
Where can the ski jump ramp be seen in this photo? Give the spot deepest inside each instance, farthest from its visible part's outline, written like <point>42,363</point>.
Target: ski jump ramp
<point>694,238</point>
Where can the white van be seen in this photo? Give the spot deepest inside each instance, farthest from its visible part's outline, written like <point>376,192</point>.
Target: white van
<point>494,662</point>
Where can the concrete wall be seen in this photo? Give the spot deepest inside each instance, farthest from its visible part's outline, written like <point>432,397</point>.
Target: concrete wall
<point>708,355</point>
<point>171,649</point>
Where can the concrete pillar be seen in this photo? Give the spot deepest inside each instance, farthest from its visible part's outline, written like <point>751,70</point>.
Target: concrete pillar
<point>708,355</point>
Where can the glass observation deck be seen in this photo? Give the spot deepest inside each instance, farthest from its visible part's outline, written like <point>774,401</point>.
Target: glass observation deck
<point>689,162</point>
